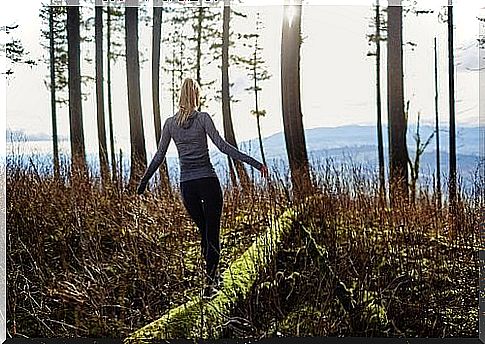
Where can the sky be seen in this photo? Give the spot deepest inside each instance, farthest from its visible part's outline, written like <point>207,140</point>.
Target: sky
<point>337,78</point>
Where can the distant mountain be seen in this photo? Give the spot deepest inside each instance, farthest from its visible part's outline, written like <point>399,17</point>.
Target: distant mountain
<point>358,144</point>
<point>352,136</point>
<point>341,145</point>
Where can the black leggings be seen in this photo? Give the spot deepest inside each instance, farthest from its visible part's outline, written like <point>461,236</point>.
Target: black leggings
<point>203,200</point>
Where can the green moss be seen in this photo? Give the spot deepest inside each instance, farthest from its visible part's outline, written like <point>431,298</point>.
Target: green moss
<point>191,319</point>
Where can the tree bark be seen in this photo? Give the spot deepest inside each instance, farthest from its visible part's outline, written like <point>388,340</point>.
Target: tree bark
<point>256,105</point>
<point>156,39</point>
<point>260,138</point>
<point>200,18</point>
<point>226,100</point>
<point>397,117</point>
<point>110,103</point>
<point>137,138</point>
<point>78,154</point>
<point>102,147</point>
<point>55,147</point>
<point>437,129</point>
<point>290,88</point>
<point>451,85</point>
<point>380,141</point>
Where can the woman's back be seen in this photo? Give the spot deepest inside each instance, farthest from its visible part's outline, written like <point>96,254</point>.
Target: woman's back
<point>191,142</point>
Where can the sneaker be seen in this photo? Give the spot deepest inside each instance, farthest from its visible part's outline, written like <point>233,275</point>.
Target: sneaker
<point>209,291</point>
<point>218,281</point>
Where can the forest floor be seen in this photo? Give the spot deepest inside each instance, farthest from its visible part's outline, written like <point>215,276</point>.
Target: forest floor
<point>93,260</point>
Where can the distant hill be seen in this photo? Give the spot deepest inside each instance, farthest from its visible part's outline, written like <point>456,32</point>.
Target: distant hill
<point>359,145</point>
<point>318,139</point>
<point>343,144</point>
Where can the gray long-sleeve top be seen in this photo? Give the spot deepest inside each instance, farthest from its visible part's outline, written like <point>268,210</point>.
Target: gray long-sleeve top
<point>191,142</point>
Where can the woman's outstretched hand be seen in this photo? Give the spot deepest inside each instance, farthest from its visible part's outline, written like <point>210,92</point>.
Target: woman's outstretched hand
<point>264,171</point>
<point>141,187</point>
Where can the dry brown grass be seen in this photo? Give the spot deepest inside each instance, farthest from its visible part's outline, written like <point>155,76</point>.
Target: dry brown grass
<point>406,259</point>
<point>86,260</point>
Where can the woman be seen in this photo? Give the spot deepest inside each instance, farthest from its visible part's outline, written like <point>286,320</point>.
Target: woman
<point>199,185</point>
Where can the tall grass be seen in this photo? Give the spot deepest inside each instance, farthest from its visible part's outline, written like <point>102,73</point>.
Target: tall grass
<point>86,259</point>
<point>408,260</point>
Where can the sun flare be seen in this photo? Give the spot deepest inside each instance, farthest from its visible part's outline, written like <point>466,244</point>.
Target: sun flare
<point>290,14</point>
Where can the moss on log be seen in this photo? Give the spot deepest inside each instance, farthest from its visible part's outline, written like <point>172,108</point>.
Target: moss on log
<point>200,318</point>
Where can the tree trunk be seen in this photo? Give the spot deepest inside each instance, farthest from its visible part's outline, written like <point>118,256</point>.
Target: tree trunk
<point>380,141</point>
<point>55,147</point>
<point>110,104</point>
<point>173,80</point>
<point>437,132</point>
<point>397,117</point>
<point>200,18</point>
<point>226,100</point>
<point>256,108</point>
<point>103,149</point>
<point>137,138</point>
<point>260,140</point>
<point>290,88</point>
<point>78,154</point>
<point>451,84</point>
<point>157,35</point>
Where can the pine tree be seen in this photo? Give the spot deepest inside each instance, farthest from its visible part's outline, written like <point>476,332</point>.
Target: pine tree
<point>55,35</point>
<point>205,40</point>
<point>14,50</point>
<point>377,38</point>
<point>257,73</point>
<point>177,62</point>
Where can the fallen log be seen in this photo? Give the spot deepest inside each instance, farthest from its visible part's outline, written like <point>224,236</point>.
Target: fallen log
<point>199,318</point>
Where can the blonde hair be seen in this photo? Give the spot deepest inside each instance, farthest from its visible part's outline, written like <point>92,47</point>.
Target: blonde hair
<point>189,100</point>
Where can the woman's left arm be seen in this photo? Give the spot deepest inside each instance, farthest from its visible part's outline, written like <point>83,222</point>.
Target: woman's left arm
<point>224,146</point>
<point>157,158</point>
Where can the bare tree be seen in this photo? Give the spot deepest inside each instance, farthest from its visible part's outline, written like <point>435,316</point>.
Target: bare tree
<point>226,100</point>
<point>451,85</point>
<point>380,141</point>
<point>111,12</point>
<point>156,41</point>
<point>78,154</point>
<point>415,163</point>
<point>137,138</point>
<point>55,145</point>
<point>437,129</point>
<point>396,115</point>
<point>291,103</point>
<point>102,147</point>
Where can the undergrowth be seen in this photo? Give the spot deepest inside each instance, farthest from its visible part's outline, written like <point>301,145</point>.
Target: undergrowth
<point>93,259</point>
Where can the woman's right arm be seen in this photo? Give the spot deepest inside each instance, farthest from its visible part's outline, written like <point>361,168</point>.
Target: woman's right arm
<point>157,158</point>
<point>225,147</point>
